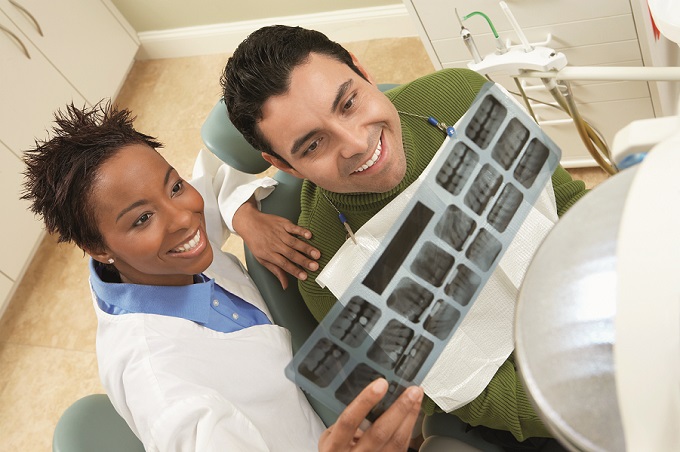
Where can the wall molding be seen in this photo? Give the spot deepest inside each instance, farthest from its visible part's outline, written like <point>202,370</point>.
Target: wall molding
<point>343,26</point>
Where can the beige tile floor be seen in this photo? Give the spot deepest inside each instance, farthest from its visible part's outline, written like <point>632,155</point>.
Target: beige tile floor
<point>47,335</point>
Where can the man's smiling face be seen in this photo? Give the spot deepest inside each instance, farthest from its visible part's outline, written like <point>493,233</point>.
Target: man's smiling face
<point>336,129</point>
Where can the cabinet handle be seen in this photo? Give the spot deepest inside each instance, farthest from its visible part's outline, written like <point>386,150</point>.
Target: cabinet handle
<point>16,38</point>
<point>30,16</point>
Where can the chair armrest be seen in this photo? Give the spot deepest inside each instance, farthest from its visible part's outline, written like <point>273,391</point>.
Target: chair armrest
<point>91,423</point>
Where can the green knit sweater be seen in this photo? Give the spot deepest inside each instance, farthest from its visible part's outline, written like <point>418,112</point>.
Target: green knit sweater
<point>446,95</point>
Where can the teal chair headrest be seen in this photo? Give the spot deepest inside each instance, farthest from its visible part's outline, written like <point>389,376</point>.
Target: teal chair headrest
<point>222,139</point>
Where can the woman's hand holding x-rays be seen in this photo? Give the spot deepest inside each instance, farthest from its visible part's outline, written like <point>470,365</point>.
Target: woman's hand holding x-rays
<point>390,432</point>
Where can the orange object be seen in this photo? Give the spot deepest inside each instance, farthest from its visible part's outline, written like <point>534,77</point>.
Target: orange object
<point>657,33</point>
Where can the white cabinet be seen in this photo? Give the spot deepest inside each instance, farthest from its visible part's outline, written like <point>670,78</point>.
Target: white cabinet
<point>588,36</point>
<point>31,89</point>
<point>51,54</point>
<point>82,39</point>
<point>21,232</point>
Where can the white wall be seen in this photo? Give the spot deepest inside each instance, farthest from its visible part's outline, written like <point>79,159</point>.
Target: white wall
<point>657,52</point>
<point>153,15</point>
<point>172,29</point>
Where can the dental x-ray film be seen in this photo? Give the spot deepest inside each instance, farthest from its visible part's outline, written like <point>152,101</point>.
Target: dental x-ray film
<point>413,293</point>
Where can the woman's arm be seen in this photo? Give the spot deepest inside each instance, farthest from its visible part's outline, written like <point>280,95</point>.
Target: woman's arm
<point>275,242</point>
<point>232,201</point>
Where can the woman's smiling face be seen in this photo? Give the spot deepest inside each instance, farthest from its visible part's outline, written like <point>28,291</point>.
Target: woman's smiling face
<point>151,220</point>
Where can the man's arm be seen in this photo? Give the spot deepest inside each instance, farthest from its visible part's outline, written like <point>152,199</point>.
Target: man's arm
<point>503,405</point>
<point>231,204</point>
<point>567,190</point>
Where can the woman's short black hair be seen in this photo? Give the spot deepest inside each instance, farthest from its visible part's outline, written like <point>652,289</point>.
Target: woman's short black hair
<point>61,170</point>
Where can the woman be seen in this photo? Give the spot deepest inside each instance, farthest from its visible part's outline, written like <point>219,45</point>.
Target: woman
<point>186,349</point>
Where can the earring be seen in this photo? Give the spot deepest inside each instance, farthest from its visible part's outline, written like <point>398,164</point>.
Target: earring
<point>110,261</point>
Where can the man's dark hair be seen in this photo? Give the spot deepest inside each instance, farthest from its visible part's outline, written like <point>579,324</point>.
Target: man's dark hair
<point>61,170</point>
<point>260,68</point>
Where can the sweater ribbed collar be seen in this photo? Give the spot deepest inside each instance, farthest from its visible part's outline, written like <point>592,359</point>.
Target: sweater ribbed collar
<point>372,201</point>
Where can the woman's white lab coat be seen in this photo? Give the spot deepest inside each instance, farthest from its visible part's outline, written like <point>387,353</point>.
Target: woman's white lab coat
<point>181,386</point>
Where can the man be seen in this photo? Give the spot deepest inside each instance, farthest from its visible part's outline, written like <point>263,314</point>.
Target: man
<point>313,111</point>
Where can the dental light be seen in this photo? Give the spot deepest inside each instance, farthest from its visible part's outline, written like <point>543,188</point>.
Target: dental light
<point>666,14</point>
<point>597,327</point>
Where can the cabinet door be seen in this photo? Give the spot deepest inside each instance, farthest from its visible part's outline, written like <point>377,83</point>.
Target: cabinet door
<point>82,39</point>
<point>31,90</point>
<point>20,229</point>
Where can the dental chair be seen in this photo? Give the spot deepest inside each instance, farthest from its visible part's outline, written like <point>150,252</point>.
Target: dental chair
<point>92,424</point>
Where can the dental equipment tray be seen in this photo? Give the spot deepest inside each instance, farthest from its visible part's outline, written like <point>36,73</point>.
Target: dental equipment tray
<point>408,300</point>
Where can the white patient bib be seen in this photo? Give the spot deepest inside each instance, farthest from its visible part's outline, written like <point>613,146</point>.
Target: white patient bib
<point>484,339</point>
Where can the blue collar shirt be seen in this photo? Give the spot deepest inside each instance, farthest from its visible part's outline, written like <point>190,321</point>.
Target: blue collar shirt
<point>204,302</point>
